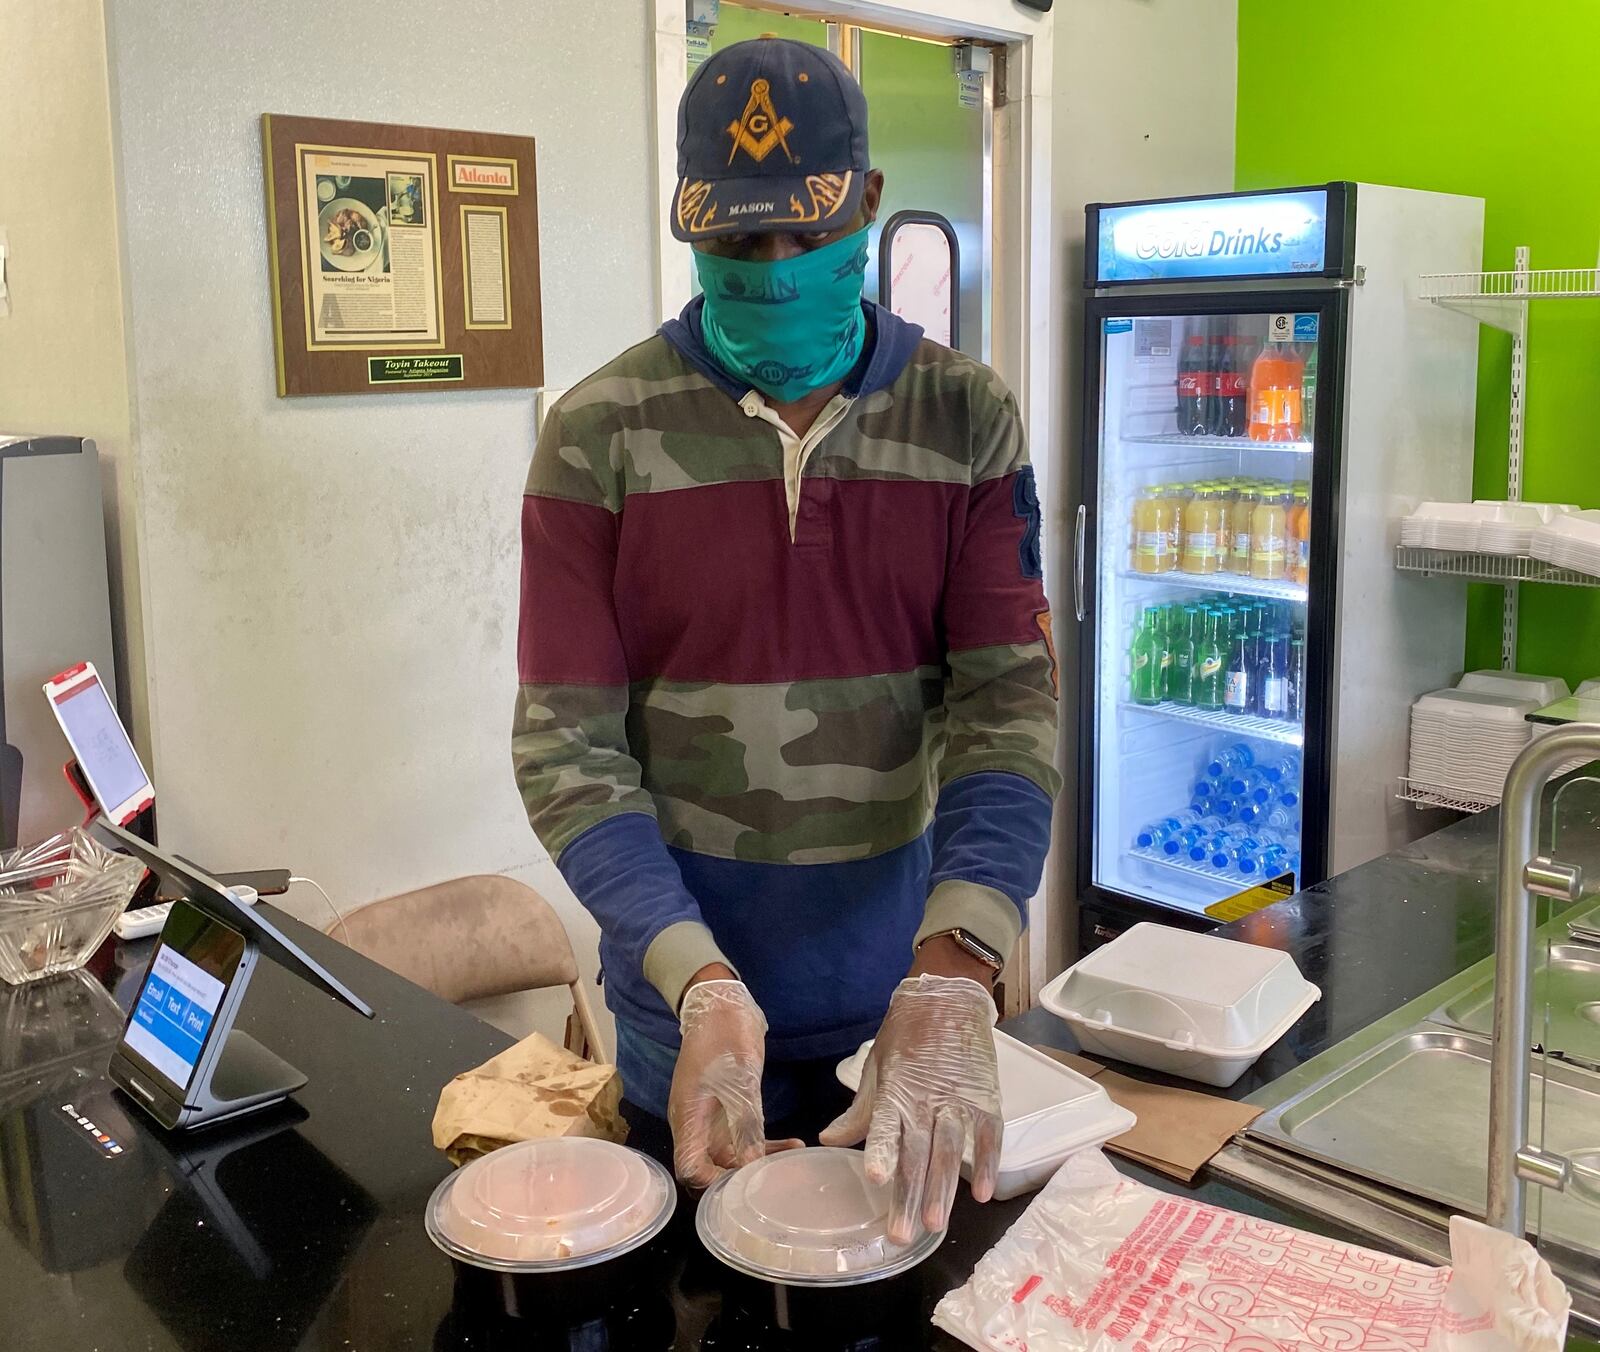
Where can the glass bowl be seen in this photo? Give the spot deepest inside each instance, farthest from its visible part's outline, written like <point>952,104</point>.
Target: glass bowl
<point>58,901</point>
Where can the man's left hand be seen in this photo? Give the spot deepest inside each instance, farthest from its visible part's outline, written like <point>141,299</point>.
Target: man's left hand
<point>930,1085</point>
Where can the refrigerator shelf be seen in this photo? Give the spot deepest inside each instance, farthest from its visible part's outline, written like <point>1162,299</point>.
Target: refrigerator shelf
<point>1211,875</point>
<point>1441,795</point>
<point>1226,582</point>
<point>1238,725</point>
<point>1485,567</point>
<point>1222,443</point>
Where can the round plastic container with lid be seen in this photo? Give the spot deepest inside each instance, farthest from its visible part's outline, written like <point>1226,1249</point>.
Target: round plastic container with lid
<point>806,1218</point>
<point>550,1205</point>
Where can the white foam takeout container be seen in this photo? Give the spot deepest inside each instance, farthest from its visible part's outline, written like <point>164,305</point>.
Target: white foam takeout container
<point>1192,1005</point>
<point>1050,1112</point>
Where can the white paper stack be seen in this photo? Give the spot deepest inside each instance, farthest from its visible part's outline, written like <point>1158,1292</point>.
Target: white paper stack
<point>1442,525</point>
<point>1516,684</point>
<point>1487,526</point>
<point>1570,540</point>
<point>1463,741</point>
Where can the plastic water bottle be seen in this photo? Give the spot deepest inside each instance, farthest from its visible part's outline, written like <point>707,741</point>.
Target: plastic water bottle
<point>1235,857</point>
<point>1284,768</point>
<point>1158,831</point>
<point>1272,859</point>
<point>1279,818</point>
<point>1235,757</point>
<point>1181,842</point>
<point>1289,793</point>
<point>1252,785</point>
<point>1201,850</point>
<point>1249,812</point>
<point>1293,864</point>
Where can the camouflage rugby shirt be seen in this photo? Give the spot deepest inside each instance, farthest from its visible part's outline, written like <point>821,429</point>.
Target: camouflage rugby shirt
<point>790,726</point>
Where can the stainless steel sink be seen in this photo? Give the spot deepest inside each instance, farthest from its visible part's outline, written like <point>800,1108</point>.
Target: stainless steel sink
<point>1568,987</point>
<point>1412,1115</point>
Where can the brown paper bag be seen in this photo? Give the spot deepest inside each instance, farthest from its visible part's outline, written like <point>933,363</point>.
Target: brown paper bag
<point>532,1090</point>
<point>1178,1130</point>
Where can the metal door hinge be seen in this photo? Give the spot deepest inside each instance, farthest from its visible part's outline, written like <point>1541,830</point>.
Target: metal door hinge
<point>1359,279</point>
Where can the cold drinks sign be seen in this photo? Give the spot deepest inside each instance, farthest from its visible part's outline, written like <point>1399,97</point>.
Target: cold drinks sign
<point>1279,234</point>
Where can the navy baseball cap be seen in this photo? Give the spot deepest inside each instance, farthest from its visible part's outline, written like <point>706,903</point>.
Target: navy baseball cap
<point>772,136</point>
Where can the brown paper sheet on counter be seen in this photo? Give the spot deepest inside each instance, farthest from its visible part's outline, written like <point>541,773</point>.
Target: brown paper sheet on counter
<point>530,1091</point>
<point>1178,1130</point>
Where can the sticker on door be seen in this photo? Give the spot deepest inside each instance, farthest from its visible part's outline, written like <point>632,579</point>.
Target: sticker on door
<point>1293,328</point>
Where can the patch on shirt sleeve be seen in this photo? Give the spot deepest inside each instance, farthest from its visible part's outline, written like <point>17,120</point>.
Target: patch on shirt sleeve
<point>1025,504</point>
<point>1046,628</point>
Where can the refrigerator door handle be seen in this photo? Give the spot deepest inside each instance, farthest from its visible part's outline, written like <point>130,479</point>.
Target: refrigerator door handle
<point>1077,559</point>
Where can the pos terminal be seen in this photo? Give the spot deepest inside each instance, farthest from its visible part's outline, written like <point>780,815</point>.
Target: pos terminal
<point>180,1058</point>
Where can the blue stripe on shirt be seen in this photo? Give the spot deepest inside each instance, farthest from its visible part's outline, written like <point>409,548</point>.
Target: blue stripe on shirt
<point>821,946</point>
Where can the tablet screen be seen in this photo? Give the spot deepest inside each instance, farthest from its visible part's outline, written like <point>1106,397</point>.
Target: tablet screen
<point>194,963</point>
<point>100,743</point>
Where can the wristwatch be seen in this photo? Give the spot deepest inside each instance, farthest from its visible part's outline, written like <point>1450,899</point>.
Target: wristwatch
<point>973,945</point>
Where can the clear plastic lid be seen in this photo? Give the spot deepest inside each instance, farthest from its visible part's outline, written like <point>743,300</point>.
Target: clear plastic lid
<point>806,1218</point>
<point>550,1205</point>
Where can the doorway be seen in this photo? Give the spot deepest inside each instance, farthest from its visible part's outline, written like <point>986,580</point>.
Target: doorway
<point>931,132</point>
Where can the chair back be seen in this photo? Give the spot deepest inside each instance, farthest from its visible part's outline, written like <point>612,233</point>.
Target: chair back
<point>466,938</point>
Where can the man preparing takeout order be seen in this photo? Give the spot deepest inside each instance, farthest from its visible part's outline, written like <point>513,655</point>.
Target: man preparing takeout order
<point>788,694</point>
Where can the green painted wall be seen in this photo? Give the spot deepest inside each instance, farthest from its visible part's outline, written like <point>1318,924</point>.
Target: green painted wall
<point>1496,99</point>
<point>735,24</point>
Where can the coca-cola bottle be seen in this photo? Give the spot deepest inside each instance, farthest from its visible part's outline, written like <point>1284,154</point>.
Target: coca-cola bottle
<point>1230,405</point>
<point>1194,393</point>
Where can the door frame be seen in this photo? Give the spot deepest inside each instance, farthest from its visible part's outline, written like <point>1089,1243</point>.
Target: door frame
<point>1025,346</point>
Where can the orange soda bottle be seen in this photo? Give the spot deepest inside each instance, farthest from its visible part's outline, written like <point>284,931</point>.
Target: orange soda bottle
<point>1275,393</point>
<point>1300,534</point>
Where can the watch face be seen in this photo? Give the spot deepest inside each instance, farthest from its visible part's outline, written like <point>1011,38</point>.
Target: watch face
<point>977,948</point>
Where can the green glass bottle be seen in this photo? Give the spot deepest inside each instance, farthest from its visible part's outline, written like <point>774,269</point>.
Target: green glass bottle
<point>1182,638</point>
<point>1208,684</point>
<point>1145,656</point>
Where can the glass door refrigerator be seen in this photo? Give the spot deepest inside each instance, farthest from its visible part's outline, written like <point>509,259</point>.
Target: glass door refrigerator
<point>1265,398</point>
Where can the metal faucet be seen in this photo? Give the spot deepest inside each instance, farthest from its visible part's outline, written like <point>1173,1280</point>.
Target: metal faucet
<point>1524,873</point>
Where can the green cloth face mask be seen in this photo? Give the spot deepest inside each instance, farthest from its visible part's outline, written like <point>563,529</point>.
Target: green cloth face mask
<point>789,326</point>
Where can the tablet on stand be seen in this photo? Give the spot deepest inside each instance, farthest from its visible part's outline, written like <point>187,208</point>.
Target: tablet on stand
<point>180,1057</point>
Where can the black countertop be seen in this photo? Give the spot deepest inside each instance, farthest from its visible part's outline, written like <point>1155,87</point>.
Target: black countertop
<point>302,1228</point>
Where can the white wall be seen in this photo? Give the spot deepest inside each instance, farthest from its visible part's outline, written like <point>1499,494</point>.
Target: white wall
<point>1144,107</point>
<point>63,367</point>
<point>333,581</point>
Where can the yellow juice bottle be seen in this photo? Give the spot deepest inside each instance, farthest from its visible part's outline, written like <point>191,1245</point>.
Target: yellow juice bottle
<point>1152,542</point>
<point>1202,519</point>
<point>1226,502</point>
<point>1269,544</point>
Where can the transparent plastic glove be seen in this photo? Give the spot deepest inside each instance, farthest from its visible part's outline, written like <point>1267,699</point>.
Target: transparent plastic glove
<point>714,1107</point>
<point>930,1085</point>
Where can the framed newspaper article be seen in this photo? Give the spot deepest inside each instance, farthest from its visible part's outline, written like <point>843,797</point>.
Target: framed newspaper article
<point>402,258</point>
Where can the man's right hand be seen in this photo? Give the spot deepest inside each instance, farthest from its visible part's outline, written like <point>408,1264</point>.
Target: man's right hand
<point>714,1107</point>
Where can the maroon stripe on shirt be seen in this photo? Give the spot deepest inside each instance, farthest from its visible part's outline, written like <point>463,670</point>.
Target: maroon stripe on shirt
<point>988,599</point>
<point>705,584</point>
<point>566,632</point>
<point>710,587</point>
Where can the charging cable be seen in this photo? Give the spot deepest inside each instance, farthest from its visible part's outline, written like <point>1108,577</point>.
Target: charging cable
<point>344,934</point>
